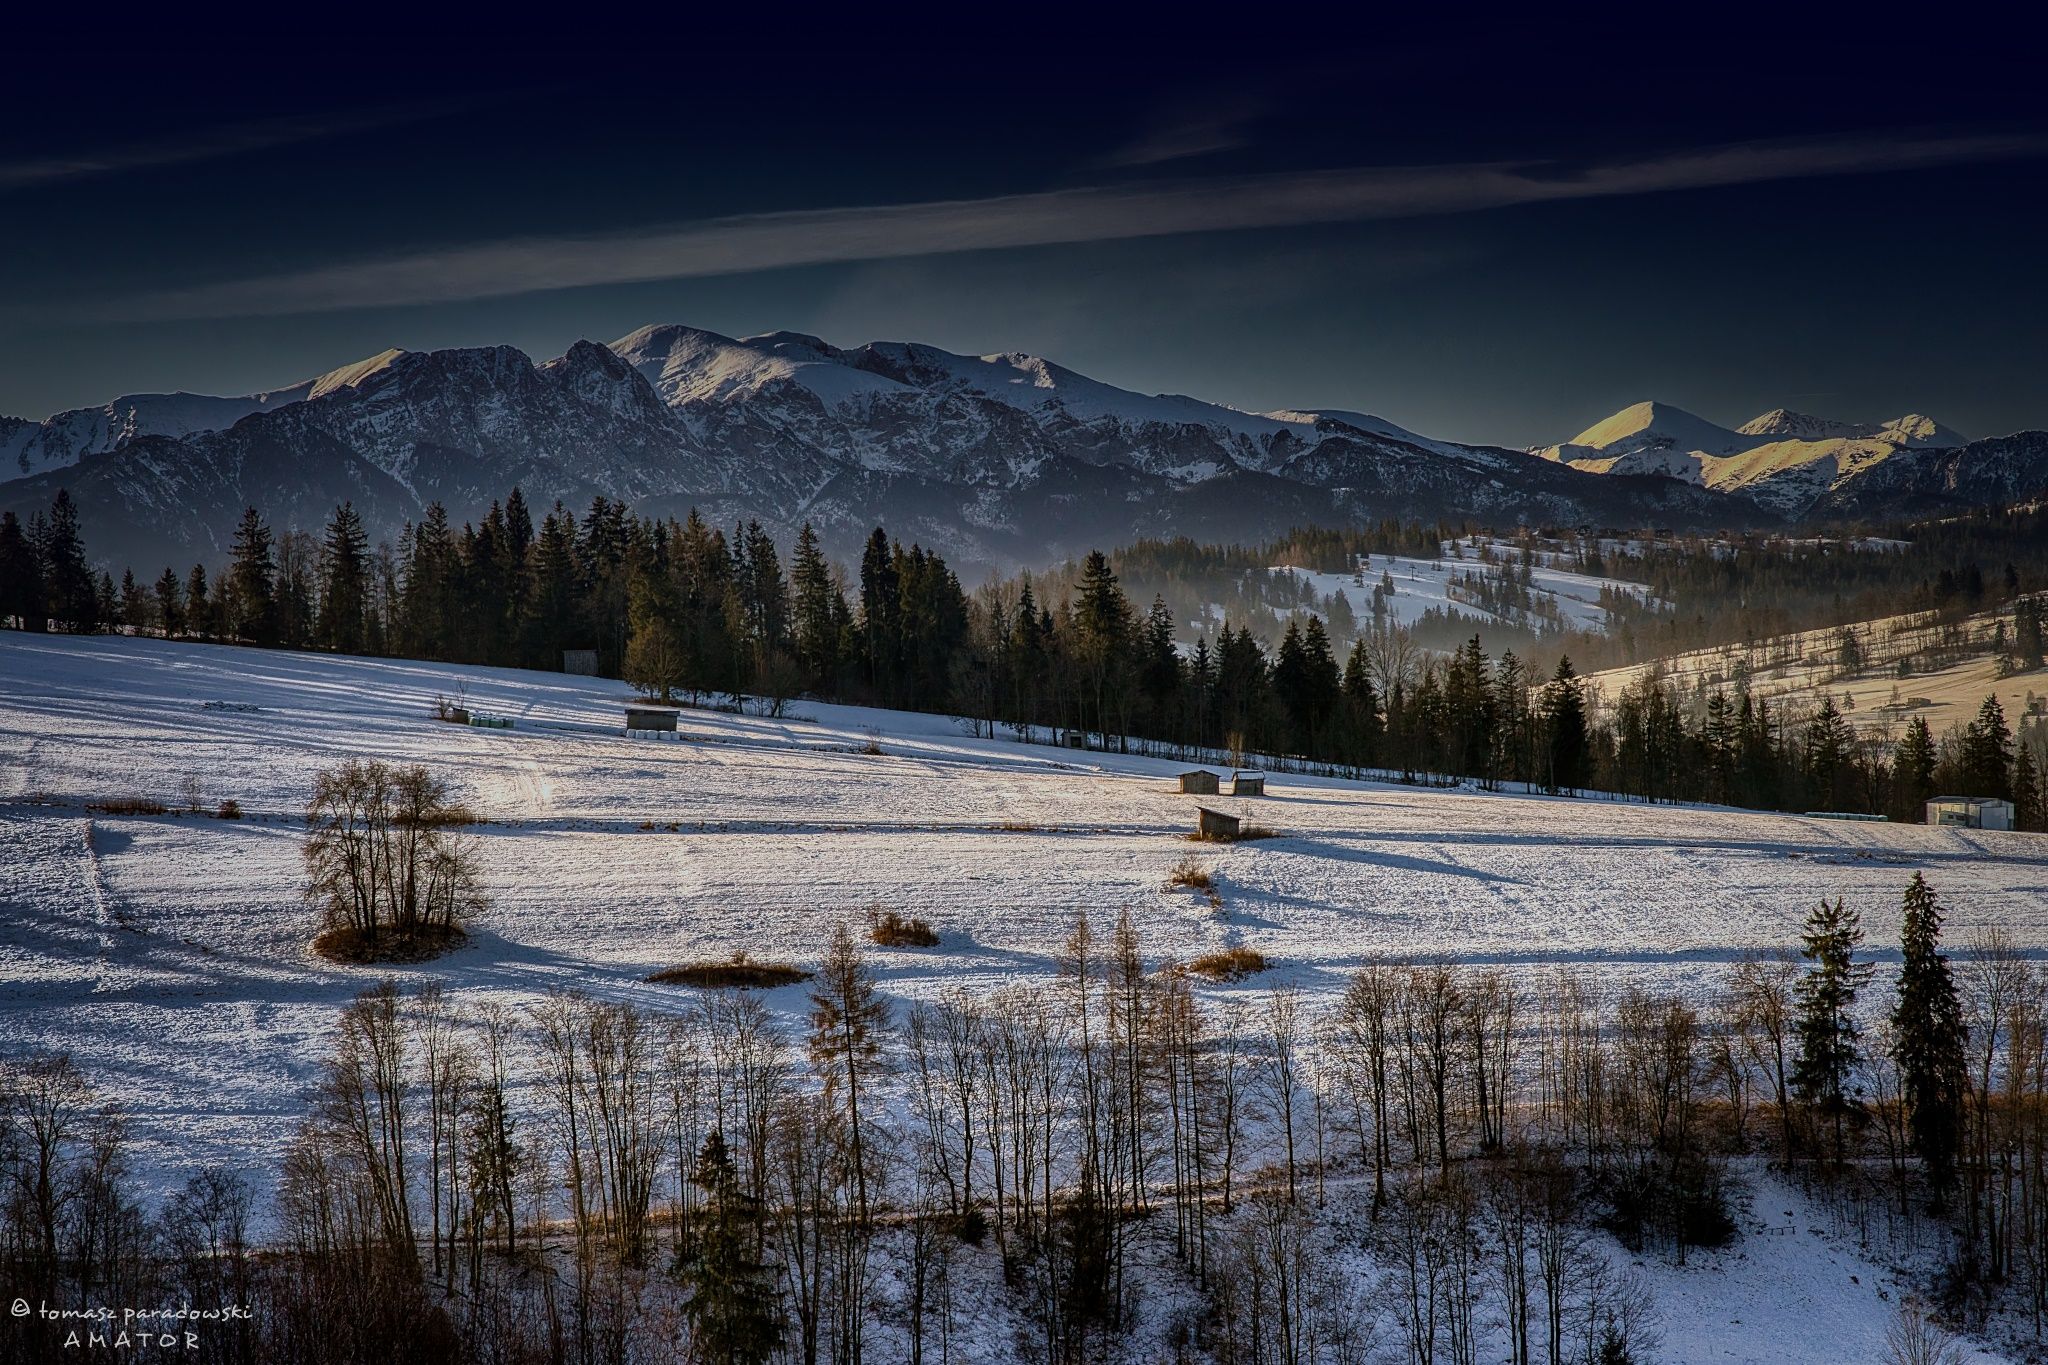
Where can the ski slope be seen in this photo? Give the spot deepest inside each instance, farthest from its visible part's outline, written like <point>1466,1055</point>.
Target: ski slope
<point>168,953</point>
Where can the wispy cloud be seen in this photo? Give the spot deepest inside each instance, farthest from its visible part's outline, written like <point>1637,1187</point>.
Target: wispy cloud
<point>755,242</point>
<point>1222,124</point>
<point>209,144</point>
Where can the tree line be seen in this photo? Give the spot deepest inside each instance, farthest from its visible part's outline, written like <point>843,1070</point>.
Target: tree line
<point>1419,1167</point>
<point>686,608</point>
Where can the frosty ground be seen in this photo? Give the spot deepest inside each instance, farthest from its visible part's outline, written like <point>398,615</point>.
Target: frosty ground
<point>168,954</point>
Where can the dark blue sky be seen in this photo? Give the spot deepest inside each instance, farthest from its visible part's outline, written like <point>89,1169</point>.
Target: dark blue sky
<point>1498,236</point>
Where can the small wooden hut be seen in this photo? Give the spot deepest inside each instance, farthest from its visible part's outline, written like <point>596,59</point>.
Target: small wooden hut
<point>1200,782</point>
<point>1214,824</point>
<point>657,718</point>
<point>1247,784</point>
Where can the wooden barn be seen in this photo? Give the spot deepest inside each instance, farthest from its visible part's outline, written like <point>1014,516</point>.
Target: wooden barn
<point>1200,782</point>
<point>1214,824</point>
<point>1247,784</point>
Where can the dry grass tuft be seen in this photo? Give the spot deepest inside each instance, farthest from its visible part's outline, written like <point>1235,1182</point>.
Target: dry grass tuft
<point>228,809</point>
<point>739,973</point>
<point>128,805</point>
<point>1232,964</point>
<point>1189,875</point>
<point>1245,834</point>
<point>892,930</point>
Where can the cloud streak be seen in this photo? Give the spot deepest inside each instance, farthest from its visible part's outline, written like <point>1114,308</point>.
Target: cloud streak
<point>772,241</point>
<point>209,144</point>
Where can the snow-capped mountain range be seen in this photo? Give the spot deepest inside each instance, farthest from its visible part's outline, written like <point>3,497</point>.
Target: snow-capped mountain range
<point>1789,462</point>
<point>996,460</point>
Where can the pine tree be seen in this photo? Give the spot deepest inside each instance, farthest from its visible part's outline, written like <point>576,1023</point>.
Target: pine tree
<point>198,605</point>
<point>1987,752</point>
<point>1913,772</point>
<point>2027,797</point>
<point>1928,1041</point>
<point>21,577</point>
<point>1829,746</point>
<point>1824,1072</point>
<point>881,617</point>
<point>1564,725</point>
<point>170,604</point>
<point>2027,642</point>
<point>344,582</point>
<point>249,590</point>
<point>69,590</point>
<point>817,613</point>
<point>732,1309</point>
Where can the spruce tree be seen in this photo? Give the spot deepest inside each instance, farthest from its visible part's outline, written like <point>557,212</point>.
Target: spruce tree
<point>170,604</point>
<point>69,590</point>
<point>1913,772</point>
<point>1564,725</point>
<point>198,605</point>
<point>250,587</point>
<point>21,577</point>
<point>1987,752</point>
<point>817,610</point>
<point>732,1308</point>
<point>2027,797</point>
<point>1928,1041</point>
<point>344,582</point>
<point>1824,1072</point>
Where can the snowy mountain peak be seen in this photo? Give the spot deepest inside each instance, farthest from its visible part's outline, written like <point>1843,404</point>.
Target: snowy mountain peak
<point>1781,424</point>
<point>1653,425</point>
<point>352,376</point>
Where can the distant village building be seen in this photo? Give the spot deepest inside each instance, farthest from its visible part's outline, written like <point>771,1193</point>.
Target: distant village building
<point>660,719</point>
<point>1970,812</point>
<point>583,661</point>
<point>1247,784</point>
<point>1200,782</point>
<point>1214,824</point>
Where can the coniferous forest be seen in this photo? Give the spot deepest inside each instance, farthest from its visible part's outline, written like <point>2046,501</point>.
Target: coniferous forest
<point>688,611</point>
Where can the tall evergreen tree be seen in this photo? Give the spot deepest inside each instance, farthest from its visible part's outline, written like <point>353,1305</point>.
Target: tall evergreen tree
<point>2027,795</point>
<point>70,591</point>
<point>1928,1041</point>
<point>345,582</point>
<point>170,604</point>
<point>248,593</point>
<point>1987,752</point>
<point>1913,772</point>
<point>732,1310</point>
<point>21,577</point>
<point>1829,1041</point>
<point>817,613</point>
<point>1564,726</point>
<point>198,604</point>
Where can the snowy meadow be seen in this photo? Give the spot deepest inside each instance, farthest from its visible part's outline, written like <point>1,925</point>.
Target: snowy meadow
<point>168,953</point>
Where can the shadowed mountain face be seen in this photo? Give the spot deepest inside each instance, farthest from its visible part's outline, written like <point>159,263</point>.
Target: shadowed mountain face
<point>995,460</point>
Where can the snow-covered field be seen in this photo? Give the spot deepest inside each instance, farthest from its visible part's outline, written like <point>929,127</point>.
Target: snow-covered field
<point>168,953</point>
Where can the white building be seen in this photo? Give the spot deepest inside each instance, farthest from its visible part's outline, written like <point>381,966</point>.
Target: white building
<point>1970,812</point>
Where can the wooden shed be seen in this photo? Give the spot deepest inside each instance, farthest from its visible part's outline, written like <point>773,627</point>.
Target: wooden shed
<point>1200,782</point>
<point>657,718</point>
<point>1247,784</point>
<point>580,661</point>
<point>1214,824</point>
